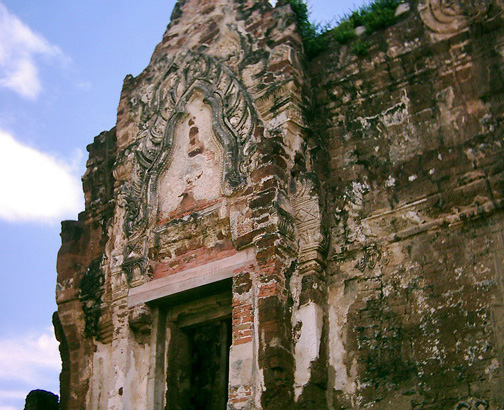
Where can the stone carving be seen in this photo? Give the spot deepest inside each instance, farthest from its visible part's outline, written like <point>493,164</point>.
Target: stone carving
<point>140,318</point>
<point>371,257</point>
<point>134,267</point>
<point>105,327</point>
<point>472,404</point>
<point>451,16</point>
<point>312,240</point>
<point>411,295</point>
<point>286,224</point>
<point>163,106</point>
<point>131,196</point>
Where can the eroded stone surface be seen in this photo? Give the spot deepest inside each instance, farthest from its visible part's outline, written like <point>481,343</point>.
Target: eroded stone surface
<point>366,194</point>
<point>193,175</point>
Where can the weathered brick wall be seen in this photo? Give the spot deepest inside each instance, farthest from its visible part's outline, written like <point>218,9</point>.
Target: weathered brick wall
<point>413,181</point>
<point>225,84</point>
<point>80,282</point>
<point>362,195</point>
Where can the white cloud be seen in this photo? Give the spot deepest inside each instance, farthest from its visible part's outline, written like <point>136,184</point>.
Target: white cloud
<point>84,85</point>
<point>29,359</point>
<point>36,186</point>
<point>12,394</point>
<point>19,46</point>
<point>27,362</point>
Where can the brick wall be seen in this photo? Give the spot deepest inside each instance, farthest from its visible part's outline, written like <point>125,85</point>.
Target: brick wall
<point>412,179</point>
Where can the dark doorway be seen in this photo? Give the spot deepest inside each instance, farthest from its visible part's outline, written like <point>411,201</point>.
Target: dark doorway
<point>198,366</point>
<point>209,346</point>
<point>196,360</point>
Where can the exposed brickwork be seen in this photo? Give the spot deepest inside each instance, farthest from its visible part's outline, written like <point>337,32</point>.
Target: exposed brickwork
<point>365,194</point>
<point>414,191</point>
<point>83,242</point>
<point>242,323</point>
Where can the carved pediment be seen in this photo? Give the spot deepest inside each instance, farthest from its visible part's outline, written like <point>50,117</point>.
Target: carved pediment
<point>164,105</point>
<point>193,146</point>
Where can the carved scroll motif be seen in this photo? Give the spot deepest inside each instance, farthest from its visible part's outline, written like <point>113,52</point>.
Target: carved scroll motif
<point>472,404</point>
<point>371,257</point>
<point>312,240</point>
<point>164,105</point>
<point>451,16</point>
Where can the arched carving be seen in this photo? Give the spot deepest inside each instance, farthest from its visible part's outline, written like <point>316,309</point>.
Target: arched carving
<point>163,105</point>
<point>451,16</point>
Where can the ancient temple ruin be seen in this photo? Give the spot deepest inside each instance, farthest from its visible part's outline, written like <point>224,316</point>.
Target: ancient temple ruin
<point>268,231</point>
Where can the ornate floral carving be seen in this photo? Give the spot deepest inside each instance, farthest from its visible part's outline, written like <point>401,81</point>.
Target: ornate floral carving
<point>451,16</point>
<point>371,257</point>
<point>163,105</point>
<point>130,197</point>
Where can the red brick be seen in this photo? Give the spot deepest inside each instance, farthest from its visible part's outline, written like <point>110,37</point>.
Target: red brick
<point>242,341</point>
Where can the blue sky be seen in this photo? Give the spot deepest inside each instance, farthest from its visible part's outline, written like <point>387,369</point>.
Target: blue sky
<point>62,63</point>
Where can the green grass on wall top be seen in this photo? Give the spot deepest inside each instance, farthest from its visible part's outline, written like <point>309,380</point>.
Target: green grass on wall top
<point>374,16</point>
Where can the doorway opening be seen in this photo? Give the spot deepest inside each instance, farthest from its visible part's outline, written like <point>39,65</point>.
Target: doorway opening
<point>199,336</point>
<point>209,350</point>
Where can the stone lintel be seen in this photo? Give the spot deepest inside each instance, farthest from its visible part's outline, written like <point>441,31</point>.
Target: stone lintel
<point>211,272</point>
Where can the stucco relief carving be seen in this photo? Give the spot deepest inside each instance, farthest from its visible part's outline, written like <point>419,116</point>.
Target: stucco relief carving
<point>164,105</point>
<point>140,318</point>
<point>312,239</point>
<point>371,256</point>
<point>451,16</point>
<point>472,404</point>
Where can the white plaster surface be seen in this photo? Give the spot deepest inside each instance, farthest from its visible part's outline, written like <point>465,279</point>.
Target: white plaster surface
<point>195,168</point>
<point>135,391</point>
<point>241,364</point>
<point>308,345</point>
<point>339,303</point>
<point>100,382</point>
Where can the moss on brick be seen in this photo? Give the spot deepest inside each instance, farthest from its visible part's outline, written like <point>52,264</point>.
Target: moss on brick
<point>377,15</point>
<point>90,295</point>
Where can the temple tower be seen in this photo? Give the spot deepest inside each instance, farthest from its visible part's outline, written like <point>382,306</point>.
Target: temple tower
<point>265,231</point>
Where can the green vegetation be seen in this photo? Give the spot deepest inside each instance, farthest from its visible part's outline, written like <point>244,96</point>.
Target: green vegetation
<point>90,295</point>
<point>374,16</point>
<point>360,48</point>
<point>313,35</point>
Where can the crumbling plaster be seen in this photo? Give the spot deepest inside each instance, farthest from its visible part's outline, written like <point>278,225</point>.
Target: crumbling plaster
<point>344,213</point>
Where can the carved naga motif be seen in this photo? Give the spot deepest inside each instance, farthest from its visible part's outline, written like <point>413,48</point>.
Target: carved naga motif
<point>163,105</point>
<point>451,16</point>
